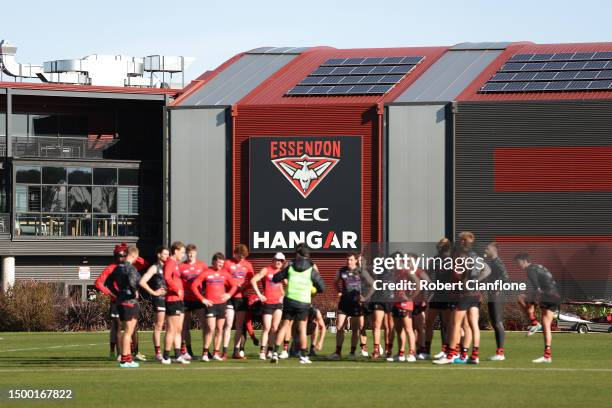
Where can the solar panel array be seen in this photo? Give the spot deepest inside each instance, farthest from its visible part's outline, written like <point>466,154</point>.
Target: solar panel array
<point>567,71</point>
<point>356,76</point>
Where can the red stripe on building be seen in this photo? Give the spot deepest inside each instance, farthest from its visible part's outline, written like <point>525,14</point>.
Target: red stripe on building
<point>553,169</point>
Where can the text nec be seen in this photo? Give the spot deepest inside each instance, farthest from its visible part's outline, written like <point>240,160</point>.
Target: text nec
<point>304,214</point>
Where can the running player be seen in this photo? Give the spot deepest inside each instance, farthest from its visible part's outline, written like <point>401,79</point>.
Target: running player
<point>301,276</point>
<point>495,302</point>
<point>440,305</point>
<point>242,273</point>
<point>191,269</point>
<point>272,302</point>
<point>174,304</point>
<point>348,285</point>
<point>213,288</point>
<point>543,291</point>
<point>123,282</point>
<point>153,283</point>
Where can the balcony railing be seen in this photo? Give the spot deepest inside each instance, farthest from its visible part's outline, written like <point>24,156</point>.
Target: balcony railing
<point>54,147</point>
<point>5,223</point>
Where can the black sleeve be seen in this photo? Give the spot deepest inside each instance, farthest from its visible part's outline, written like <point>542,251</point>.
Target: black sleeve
<point>317,281</point>
<point>503,272</point>
<point>110,282</point>
<point>134,277</point>
<point>280,275</point>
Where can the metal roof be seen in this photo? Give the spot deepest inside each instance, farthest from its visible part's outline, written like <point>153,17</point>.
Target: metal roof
<point>85,90</point>
<point>480,46</point>
<point>471,92</point>
<point>278,50</point>
<point>273,90</point>
<point>231,84</point>
<point>449,76</point>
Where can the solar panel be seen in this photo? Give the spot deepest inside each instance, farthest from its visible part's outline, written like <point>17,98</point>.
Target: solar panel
<point>356,76</point>
<point>553,72</point>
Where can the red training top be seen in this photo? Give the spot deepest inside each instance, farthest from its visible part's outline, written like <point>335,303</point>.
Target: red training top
<point>100,281</point>
<point>274,292</point>
<point>215,283</point>
<point>172,276</point>
<point>188,273</point>
<point>241,272</point>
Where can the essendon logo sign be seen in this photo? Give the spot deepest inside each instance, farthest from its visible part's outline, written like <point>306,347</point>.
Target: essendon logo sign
<point>305,189</point>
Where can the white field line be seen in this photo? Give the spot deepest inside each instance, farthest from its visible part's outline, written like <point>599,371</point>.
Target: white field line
<point>52,347</point>
<point>314,366</point>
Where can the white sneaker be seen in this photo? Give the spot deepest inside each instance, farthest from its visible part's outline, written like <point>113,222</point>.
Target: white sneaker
<point>423,356</point>
<point>269,355</point>
<point>181,360</point>
<point>411,358</point>
<point>274,359</point>
<point>241,353</point>
<point>140,357</point>
<point>444,360</point>
<point>390,358</point>
<point>205,357</point>
<point>262,356</point>
<point>118,358</point>
<point>542,360</point>
<point>497,357</point>
<point>129,364</point>
<point>473,360</point>
<point>364,353</point>
<point>166,361</point>
<point>401,358</point>
<point>305,360</point>
<point>439,355</point>
<point>283,355</point>
<point>381,350</point>
<point>217,357</point>
<point>186,356</point>
<point>533,329</point>
<point>334,356</point>
<point>158,357</point>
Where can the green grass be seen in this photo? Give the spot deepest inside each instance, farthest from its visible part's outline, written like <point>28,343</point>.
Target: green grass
<point>580,375</point>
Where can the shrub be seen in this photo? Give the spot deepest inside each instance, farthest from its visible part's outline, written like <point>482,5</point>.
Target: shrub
<point>29,306</point>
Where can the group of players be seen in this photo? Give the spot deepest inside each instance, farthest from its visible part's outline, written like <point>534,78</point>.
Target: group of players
<point>227,294</point>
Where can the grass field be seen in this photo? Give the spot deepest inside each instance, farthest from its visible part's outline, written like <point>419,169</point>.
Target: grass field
<point>580,375</point>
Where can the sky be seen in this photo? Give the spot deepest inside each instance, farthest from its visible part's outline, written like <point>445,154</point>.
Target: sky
<point>213,31</point>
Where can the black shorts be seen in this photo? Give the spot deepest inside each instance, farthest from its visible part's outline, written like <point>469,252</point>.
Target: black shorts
<point>552,306</point>
<point>114,311</point>
<point>159,303</point>
<point>191,305</point>
<point>238,304</point>
<point>350,308</point>
<point>439,305</point>
<point>217,311</point>
<point>418,310</point>
<point>467,302</point>
<point>384,306</point>
<point>400,313</point>
<point>128,311</point>
<point>270,308</point>
<point>175,308</point>
<point>296,313</point>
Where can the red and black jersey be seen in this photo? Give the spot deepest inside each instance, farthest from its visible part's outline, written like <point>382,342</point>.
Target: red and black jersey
<point>213,284</point>
<point>172,276</point>
<point>190,271</point>
<point>273,291</point>
<point>242,273</point>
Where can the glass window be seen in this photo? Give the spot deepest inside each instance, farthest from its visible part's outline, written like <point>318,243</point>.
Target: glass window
<point>127,200</point>
<point>79,175</point>
<point>43,125</point>
<point>104,199</point>
<point>27,224</point>
<point>19,124</point>
<point>128,177</point>
<point>79,225</point>
<point>79,199</point>
<point>73,125</point>
<point>105,225</point>
<point>53,225</point>
<point>34,198</point>
<point>105,177</point>
<point>21,198</point>
<point>54,175</point>
<point>53,198</point>
<point>27,174</point>
<point>2,123</point>
<point>128,226</point>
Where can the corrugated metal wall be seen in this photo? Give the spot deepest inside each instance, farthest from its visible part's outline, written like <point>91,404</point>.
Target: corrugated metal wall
<point>198,178</point>
<point>336,120</point>
<point>416,164</point>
